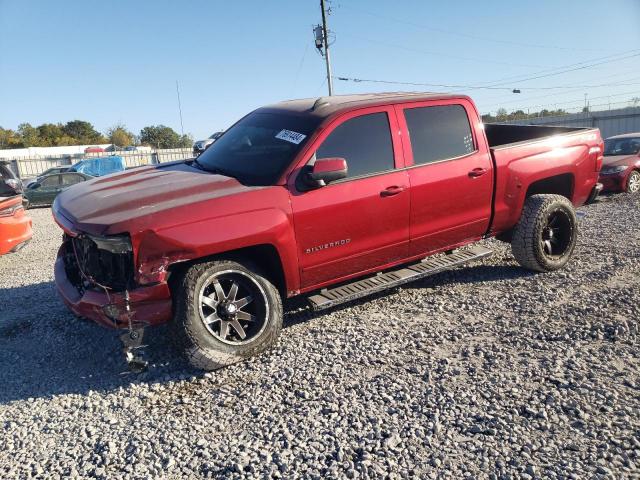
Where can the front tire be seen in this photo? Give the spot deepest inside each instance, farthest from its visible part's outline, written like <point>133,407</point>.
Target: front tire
<point>633,182</point>
<point>545,237</point>
<point>226,312</point>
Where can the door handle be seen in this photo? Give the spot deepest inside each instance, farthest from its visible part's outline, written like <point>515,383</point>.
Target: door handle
<point>393,190</point>
<point>477,172</point>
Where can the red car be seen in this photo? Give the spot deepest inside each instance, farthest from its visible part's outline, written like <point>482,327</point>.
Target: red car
<point>334,198</point>
<point>621,165</point>
<point>94,150</point>
<point>15,225</point>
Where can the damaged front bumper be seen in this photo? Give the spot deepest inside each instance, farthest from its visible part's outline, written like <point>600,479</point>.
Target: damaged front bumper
<point>146,305</point>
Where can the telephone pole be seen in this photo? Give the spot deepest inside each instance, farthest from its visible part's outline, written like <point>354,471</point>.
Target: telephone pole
<point>325,38</point>
<point>179,108</point>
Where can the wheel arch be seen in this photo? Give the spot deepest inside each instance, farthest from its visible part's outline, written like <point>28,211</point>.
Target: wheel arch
<point>562,184</point>
<point>265,256</point>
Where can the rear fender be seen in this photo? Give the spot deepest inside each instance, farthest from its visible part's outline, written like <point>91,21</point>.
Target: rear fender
<point>520,174</point>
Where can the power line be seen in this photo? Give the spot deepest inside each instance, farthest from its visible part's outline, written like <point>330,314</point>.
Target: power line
<point>498,98</point>
<point>465,35</point>
<point>570,70</point>
<point>556,104</point>
<point>526,99</point>
<point>439,54</point>
<point>517,78</point>
<point>471,87</point>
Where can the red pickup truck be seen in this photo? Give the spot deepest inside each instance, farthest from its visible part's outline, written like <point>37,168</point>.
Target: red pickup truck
<point>335,198</point>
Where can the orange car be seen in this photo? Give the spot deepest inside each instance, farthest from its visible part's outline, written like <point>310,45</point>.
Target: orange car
<point>15,225</point>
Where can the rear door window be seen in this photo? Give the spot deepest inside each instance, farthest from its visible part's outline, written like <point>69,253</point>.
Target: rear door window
<point>50,181</point>
<point>71,178</point>
<point>364,142</point>
<point>438,133</point>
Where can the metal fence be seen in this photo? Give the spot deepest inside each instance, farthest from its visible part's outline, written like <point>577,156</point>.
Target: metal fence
<point>34,166</point>
<point>610,122</point>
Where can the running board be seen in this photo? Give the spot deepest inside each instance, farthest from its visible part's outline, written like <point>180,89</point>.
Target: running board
<point>382,281</point>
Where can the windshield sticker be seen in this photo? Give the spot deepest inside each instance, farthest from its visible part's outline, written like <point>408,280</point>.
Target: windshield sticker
<point>289,136</point>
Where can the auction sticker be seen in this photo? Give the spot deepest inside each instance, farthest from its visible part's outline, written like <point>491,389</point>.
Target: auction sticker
<point>289,136</point>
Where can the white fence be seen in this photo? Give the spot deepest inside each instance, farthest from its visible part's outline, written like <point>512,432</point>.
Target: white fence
<point>35,165</point>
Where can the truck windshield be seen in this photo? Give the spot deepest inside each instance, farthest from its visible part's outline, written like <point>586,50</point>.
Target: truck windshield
<point>621,146</point>
<point>258,148</point>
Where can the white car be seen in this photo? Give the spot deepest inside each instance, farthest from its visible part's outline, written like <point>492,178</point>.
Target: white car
<point>201,145</point>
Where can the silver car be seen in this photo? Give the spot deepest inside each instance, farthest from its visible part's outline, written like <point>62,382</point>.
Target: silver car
<point>201,145</point>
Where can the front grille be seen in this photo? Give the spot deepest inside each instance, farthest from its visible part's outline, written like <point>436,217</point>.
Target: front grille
<point>97,267</point>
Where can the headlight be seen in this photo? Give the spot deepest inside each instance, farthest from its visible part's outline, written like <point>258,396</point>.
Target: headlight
<point>116,244</point>
<point>613,170</point>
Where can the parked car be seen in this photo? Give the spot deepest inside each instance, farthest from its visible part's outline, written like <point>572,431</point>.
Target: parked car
<point>94,150</point>
<point>10,184</point>
<point>15,225</point>
<point>621,166</point>
<point>99,166</point>
<point>47,188</point>
<point>49,171</point>
<point>314,198</point>
<point>201,145</point>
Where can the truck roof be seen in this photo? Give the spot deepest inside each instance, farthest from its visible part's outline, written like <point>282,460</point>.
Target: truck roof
<point>325,106</point>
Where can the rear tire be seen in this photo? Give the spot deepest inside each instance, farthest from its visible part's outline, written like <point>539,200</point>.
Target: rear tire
<point>545,237</point>
<point>225,313</point>
<point>633,182</point>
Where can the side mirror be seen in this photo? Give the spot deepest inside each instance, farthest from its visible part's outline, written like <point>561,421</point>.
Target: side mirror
<point>33,186</point>
<point>326,170</point>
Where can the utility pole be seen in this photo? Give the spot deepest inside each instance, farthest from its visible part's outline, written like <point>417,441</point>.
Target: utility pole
<point>179,108</point>
<point>325,38</point>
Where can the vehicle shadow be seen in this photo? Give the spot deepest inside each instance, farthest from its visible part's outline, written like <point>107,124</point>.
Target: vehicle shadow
<point>296,311</point>
<point>46,351</point>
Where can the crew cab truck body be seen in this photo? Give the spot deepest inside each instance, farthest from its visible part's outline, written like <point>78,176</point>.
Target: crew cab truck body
<point>316,197</point>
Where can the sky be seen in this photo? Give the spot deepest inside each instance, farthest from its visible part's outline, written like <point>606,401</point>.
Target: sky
<point>118,61</point>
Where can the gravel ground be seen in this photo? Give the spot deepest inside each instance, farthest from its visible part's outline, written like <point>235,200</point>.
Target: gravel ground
<point>487,371</point>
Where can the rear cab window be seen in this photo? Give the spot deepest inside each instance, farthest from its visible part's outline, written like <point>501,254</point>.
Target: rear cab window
<point>438,133</point>
<point>364,142</point>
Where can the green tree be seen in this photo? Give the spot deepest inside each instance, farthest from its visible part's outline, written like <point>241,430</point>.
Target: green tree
<point>28,135</point>
<point>83,132</point>
<point>161,136</point>
<point>120,136</point>
<point>186,141</point>
<point>49,134</point>
<point>501,114</point>
<point>9,139</point>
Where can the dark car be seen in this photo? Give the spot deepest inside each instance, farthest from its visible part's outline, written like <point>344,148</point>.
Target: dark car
<point>49,171</point>
<point>10,184</point>
<point>44,191</point>
<point>621,166</point>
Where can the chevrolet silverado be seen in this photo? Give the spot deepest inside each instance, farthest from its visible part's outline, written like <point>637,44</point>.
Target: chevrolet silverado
<point>333,198</point>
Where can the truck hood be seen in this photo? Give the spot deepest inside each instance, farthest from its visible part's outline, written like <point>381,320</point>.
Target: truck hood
<point>140,197</point>
<point>615,160</point>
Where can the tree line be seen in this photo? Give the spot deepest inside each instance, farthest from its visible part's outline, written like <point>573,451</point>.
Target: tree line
<point>79,132</point>
<point>502,115</point>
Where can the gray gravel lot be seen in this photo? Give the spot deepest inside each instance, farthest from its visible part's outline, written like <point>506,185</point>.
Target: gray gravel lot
<point>484,372</point>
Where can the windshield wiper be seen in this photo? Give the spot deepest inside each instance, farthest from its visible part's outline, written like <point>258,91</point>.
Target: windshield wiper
<point>214,170</point>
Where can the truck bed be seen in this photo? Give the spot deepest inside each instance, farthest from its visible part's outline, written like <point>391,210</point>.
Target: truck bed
<point>531,159</point>
<point>503,135</point>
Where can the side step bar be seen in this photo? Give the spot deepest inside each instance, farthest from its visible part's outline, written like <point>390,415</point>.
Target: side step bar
<point>362,288</point>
